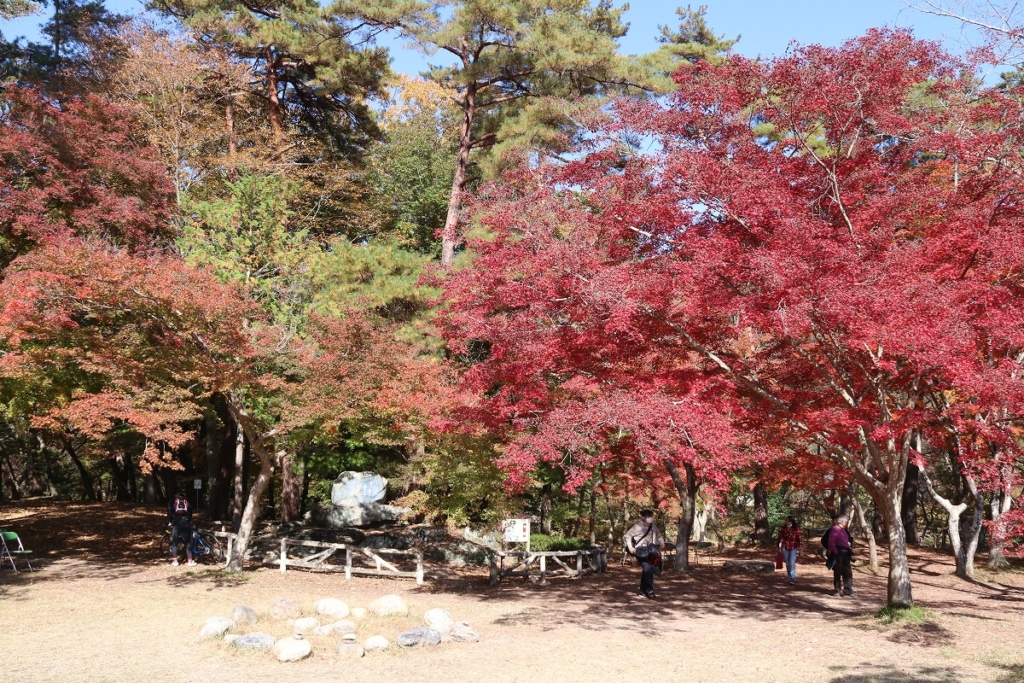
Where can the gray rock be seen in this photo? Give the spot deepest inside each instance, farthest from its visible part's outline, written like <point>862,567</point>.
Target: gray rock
<point>291,649</point>
<point>464,633</point>
<point>490,539</point>
<point>350,650</point>
<point>255,641</point>
<point>215,627</point>
<point>419,637</point>
<point>331,607</point>
<point>440,621</point>
<point>362,488</point>
<point>340,516</point>
<point>285,609</point>
<point>306,624</point>
<point>244,615</point>
<point>337,628</point>
<point>376,643</point>
<point>750,566</point>
<point>388,540</point>
<point>389,606</point>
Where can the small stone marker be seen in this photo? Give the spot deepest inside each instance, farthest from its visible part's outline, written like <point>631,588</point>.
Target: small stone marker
<point>291,649</point>
<point>464,633</point>
<point>244,615</point>
<point>377,643</point>
<point>338,627</point>
<point>351,650</point>
<point>255,641</point>
<point>358,612</point>
<point>419,637</point>
<point>215,627</point>
<point>306,624</point>
<point>390,606</point>
<point>439,620</point>
<point>285,609</point>
<point>331,607</point>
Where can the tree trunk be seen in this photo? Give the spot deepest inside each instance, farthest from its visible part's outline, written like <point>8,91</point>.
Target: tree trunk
<point>251,512</point>
<point>15,487</point>
<point>291,488</point>
<point>1000,505</point>
<point>212,463</point>
<point>899,591</point>
<point>87,485</point>
<point>593,513</point>
<point>449,234</point>
<point>273,99</point>
<point>229,120</point>
<point>762,531</point>
<point>305,490</point>
<point>545,509</point>
<point>238,493</point>
<point>869,533</point>
<point>964,550</point>
<point>687,491</point>
<point>120,476</point>
<point>908,511</point>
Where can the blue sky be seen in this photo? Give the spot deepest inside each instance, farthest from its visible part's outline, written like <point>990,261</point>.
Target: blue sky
<point>765,28</point>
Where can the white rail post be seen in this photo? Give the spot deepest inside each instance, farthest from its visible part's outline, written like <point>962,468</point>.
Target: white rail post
<point>579,564</point>
<point>419,567</point>
<point>284,554</point>
<point>495,576</point>
<point>348,563</point>
<point>543,570</point>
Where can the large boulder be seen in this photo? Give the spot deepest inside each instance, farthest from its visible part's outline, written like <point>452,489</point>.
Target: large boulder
<point>254,641</point>
<point>291,649</point>
<point>390,606</point>
<point>439,620</point>
<point>419,637</point>
<point>331,607</point>
<point>358,488</point>
<point>285,609</point>
<point>244,615</point>
<point>215,627</point>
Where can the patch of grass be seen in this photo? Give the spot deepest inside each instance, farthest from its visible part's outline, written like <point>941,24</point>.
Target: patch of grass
<point>902,615</point>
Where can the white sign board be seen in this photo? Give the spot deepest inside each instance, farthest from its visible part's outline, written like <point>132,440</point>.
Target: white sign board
<point>517,530</point>
<point>197,484</point>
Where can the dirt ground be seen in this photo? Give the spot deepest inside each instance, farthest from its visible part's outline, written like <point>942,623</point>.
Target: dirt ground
<point>104,607</point>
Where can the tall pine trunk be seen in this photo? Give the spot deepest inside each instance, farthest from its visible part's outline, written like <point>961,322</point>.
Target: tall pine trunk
<point>87,485</point>
<point>251,513</point>
<point>1000,505</point>
<point>449,234</point>
<point>898,590</point>
<point>238,484</point>
<point>908,510</point>
<point>869,533</point>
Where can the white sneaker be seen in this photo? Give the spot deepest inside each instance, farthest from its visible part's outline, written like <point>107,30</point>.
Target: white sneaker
<point>174,563</point>
<point>191,563</point>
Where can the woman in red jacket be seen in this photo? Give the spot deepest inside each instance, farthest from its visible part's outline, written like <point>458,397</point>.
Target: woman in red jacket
<point>789,544</point>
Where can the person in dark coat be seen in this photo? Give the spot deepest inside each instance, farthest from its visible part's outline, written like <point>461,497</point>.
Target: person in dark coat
<point>840,553</point>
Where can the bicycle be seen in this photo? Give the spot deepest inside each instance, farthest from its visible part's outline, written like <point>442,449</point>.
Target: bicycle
<point>204,544</point>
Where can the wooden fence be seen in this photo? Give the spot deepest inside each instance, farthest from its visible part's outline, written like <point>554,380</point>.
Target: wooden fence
<point>571,563</point>
<point>373,563</point>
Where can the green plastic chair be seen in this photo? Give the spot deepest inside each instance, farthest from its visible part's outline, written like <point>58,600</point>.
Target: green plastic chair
<point>10,545</point>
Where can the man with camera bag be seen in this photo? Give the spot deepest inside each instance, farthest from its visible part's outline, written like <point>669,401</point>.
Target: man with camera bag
<point>645,542</point>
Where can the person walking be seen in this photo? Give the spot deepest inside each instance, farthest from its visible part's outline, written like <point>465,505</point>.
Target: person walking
<point>789,545</point>
<point>179,518</point>
<point>645,542</point>
<point>840,553</point>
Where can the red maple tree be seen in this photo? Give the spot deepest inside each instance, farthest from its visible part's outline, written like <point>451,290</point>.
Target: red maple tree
<point>824,248</point>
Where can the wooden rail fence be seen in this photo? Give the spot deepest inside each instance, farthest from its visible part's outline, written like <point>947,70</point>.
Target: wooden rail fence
<point>571,563</point>
<point>369,556</point>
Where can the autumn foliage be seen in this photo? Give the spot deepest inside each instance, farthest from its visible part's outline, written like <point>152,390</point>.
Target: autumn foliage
<point>821,253</point>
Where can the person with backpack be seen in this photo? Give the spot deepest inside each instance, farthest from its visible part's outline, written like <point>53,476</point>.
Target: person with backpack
<point>179,518</point>
<point>645,542</point>
<point>789,545</point>
<point>839,544</point>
